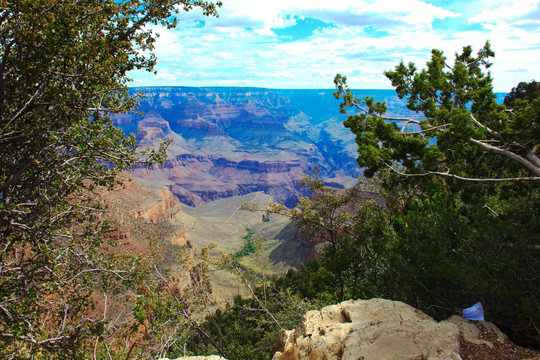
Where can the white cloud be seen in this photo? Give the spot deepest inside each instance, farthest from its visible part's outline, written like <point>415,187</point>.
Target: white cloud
<point>505,11</point>
<point>234,83</point>
<point>365,39</point>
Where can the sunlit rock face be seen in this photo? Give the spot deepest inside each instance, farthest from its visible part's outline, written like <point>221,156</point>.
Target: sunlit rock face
<point>233,141</point>
<point>382,329</point>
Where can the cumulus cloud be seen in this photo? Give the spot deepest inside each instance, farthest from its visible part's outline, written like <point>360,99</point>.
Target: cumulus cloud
<point>259,43</point>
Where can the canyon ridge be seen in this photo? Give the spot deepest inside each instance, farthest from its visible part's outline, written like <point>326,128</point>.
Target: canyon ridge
<point>234,141</point>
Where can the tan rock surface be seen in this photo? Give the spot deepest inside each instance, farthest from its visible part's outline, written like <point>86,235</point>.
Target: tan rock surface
<point>180,239</point>
<point>211,357</point>
<point>379,329</point>
<point>373,329</point>
<point>162,211</point>
<point>471,331</point>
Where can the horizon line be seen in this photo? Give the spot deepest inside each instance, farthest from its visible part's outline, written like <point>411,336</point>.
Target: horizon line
<point>263,88</point>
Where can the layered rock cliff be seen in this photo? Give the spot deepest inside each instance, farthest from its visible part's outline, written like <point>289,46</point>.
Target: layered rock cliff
<point>161,211</point>
<point>139,213</point>
<point>234,141</point>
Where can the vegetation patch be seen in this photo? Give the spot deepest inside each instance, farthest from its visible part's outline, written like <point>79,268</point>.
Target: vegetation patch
<point>249,245</point>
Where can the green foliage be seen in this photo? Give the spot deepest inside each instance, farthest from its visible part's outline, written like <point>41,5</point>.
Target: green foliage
<point>248,327</point>
<point>158,311</point>
<point>353,231</point>
<point>477,139</point>
<point>461,189</point>
<point>249,246</point>
<point>452,249</point>
<point>63,68</point>
<point>525,91</point>
<point>244,330</point>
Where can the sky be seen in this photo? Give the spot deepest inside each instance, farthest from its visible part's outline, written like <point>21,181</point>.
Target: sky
<point>303,44</point>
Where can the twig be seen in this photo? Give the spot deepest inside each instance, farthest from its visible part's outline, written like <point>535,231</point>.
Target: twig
<point>21,110</point>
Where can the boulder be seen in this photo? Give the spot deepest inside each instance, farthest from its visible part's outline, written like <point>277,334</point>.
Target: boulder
<point>379,329</point>
<point>370,330</point>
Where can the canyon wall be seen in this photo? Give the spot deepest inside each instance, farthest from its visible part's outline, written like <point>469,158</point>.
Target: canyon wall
<point>234,141</point>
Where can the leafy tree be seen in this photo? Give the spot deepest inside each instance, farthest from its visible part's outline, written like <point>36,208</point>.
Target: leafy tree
<point>349,227</point>
<point>353,231</point>
<point>63,67</point>
<point>248,327</point>
<point>476,139</point>
<point>461,187</point>
<point>242,330</point>
<point>525,91</point>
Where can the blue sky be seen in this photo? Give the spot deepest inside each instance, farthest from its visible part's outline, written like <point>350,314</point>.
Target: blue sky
<point>304,43</point>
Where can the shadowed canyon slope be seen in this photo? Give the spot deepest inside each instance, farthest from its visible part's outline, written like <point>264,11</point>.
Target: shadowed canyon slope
<point>234,141</point>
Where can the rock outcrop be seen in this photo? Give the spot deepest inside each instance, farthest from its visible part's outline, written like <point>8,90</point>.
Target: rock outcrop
<point>139,213</point>
<point>370,330</point>
<point>379,329</point>
<point>162,211</point>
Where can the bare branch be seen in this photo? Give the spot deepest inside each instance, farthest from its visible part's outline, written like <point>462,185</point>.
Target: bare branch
<point>490,209</point>
<point>264,308</point>
<point>488,130</point>
<point>533,158</point>
<point>22,109</point>
<point>101,109</point>
<point>187,316</point>
<point>426,130</point>
<point>105,306</point>
<point>48,343</point>
<point>6,312</point>
<point>367,112</point>
<point>509,154</point>
<point>448,174</point>
<point>114,272</point>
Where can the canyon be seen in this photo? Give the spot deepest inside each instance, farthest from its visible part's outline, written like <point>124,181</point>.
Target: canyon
<point>235,146</point>
<point>146,221</point>
<point>234,141</point>
<point>231,146</point>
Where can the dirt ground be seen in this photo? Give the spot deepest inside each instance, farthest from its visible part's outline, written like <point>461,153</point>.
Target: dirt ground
<point>500,351</point>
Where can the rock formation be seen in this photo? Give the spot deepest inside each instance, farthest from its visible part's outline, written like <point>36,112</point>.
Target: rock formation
<point>373,329</point>
<point>162,211</point>
<point>234,141</point>
<point>379,329</point>
<point>138,213</point>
